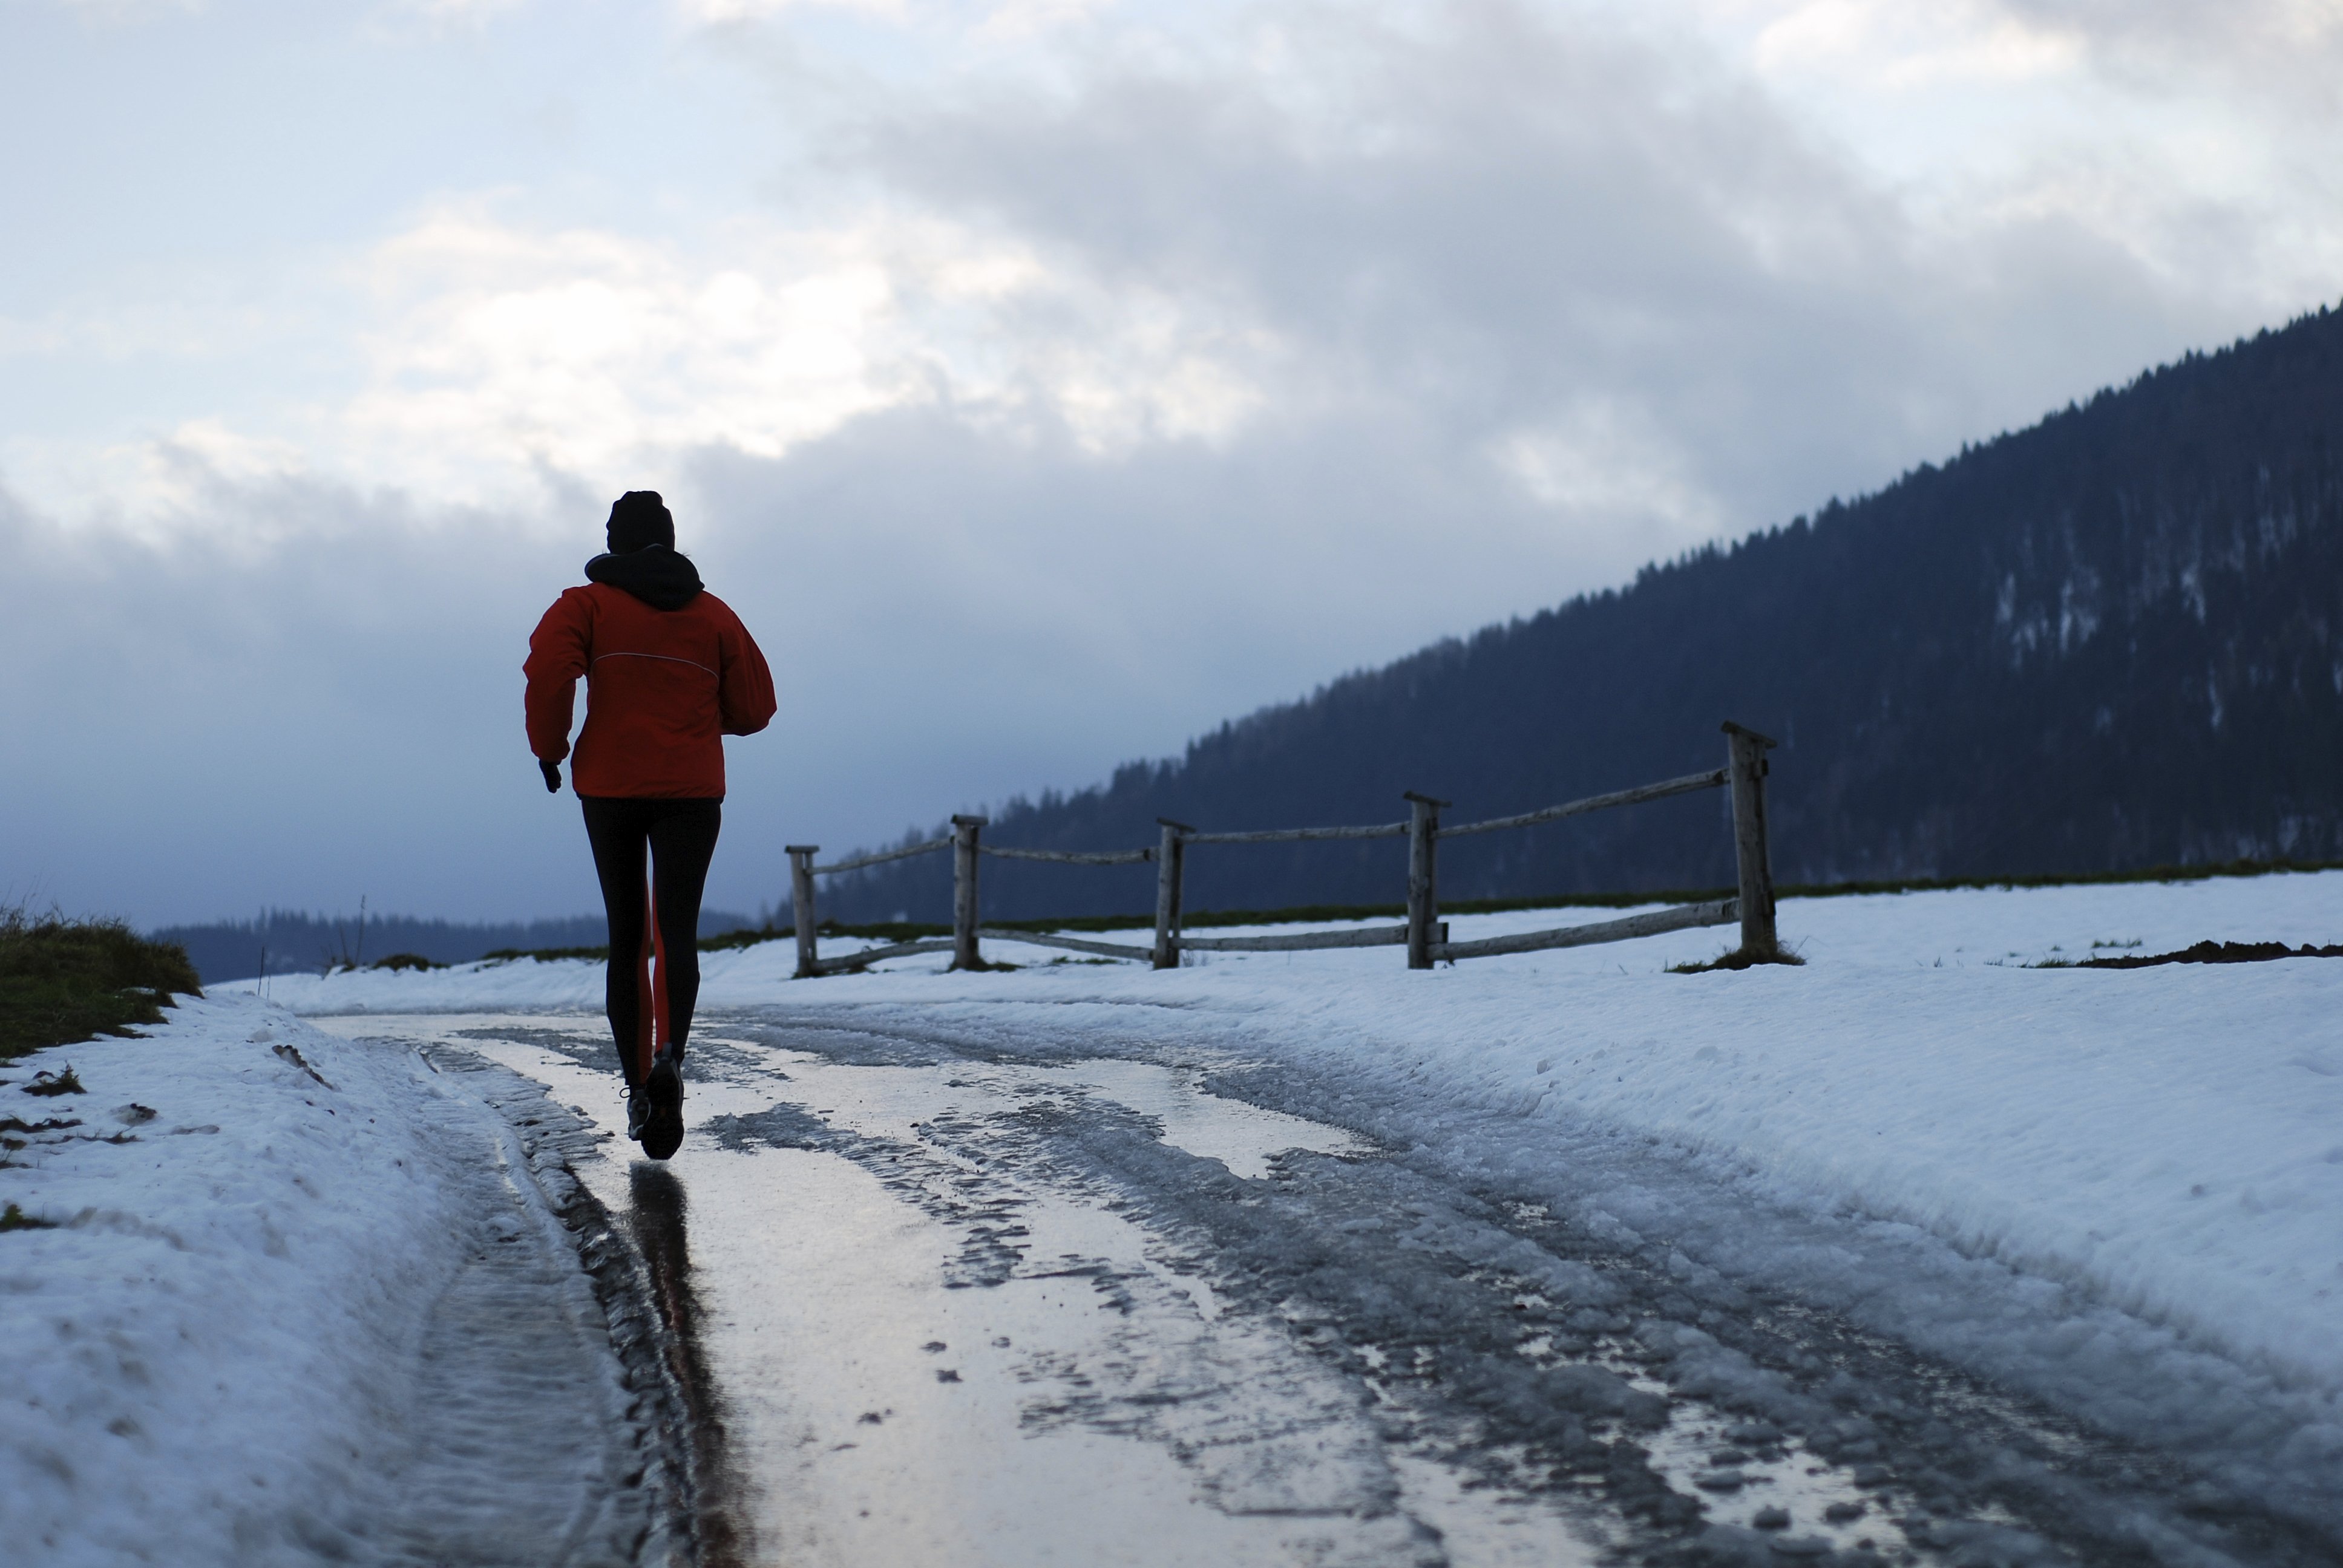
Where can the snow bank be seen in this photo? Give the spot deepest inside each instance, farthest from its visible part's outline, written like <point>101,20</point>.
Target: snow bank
<point>209,1359</point>
<point>2169,1140</point>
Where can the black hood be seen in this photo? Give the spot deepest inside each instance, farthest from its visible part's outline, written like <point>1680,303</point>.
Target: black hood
<point>654,574</point>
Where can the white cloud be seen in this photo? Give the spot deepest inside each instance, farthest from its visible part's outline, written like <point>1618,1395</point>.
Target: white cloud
<point>1856,46</point>
<point>495,353</point>
<point>2206,35</point>
<point>1196,230</point>
<point>132,11</point>
<point>1899,44</point>
<point>498,349</point>
<point>1004,20</point>
<point>1605,458</point>
<point>721,10</point>
<point>2199,142</point>
<point>459,11</point>
<point>1015,20</point>
<point>156,486</point>
<point>175,473</point>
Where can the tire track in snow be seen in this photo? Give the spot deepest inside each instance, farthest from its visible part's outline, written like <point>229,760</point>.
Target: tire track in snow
<point>555,1412</point>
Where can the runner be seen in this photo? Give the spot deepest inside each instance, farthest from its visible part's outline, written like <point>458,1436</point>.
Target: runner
<point>669,671</point>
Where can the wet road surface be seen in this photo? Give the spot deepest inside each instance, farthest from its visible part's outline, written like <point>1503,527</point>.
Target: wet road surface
<point>941,1300</point>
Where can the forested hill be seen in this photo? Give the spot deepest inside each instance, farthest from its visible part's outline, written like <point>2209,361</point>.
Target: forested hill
<point>2107,641</point>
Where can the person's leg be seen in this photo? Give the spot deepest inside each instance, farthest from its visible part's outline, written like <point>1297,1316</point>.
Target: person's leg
<point>645,1038</point>
<point>617,829</point>
<point>683,841</point>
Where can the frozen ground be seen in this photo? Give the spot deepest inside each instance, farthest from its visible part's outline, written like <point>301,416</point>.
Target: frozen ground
<point>301,1302</point>
<point>1994,1263</point>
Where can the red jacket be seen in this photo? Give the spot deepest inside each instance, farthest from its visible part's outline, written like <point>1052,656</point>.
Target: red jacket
<point>662,687</point>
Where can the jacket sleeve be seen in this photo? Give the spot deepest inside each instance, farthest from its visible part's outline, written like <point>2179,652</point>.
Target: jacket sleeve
<point>744,689</point>
<point>558,652</point>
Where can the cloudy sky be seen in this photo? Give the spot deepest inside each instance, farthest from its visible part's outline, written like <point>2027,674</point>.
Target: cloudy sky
<point>1043,380</point>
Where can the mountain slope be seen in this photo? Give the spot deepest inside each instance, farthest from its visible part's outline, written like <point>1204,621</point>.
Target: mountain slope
<point>2107,641</point>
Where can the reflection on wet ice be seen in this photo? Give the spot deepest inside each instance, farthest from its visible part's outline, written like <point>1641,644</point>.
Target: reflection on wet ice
<point>655,1216</point>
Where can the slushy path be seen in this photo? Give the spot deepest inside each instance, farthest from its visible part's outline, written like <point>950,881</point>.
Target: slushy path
<point>921,1360</point>
<point>943,1301</point>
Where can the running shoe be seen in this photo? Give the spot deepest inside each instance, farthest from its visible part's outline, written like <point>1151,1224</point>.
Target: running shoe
<point>663,1119</point>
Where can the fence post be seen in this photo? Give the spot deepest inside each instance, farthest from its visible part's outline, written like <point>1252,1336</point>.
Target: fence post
<point>964,831</point>
<point>801,905</point>
<point>1745,750</point>
<point>1171,871</point>
<point>1423,876</point>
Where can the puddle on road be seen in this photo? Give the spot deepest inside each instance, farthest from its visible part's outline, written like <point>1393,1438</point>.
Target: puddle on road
<point>1240,1136</point>
<point>879,1416</point>
<point>889,1101</point>
<point>887,1419</point>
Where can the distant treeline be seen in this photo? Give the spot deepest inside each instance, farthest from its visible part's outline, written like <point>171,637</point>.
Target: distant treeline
<point>2110,641</point>
<point>289,940</point>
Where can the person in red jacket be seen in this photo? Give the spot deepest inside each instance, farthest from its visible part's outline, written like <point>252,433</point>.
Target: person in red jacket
<point>669,671</point>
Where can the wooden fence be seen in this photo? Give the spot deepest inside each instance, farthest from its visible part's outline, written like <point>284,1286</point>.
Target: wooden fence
<point>1423,934</point>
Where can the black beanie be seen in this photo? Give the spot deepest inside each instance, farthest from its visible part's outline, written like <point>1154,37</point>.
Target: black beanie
<point>639,520</point>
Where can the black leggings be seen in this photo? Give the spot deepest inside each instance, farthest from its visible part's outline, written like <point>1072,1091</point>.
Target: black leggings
<point>680,836</point>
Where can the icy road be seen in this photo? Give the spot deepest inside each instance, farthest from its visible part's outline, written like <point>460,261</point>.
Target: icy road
<point>941,1294</point>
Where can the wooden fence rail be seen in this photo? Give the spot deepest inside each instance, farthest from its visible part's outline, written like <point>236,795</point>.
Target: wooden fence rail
<point>1071,944</point>
<point>1297,835</point>
<point>1304,942</point>
<point>1423,934</point>
<point>1684,917</point>
<point>1076,857</point>
<point>855,961</point>
<point>1636,796</point>
<point>881,858</point>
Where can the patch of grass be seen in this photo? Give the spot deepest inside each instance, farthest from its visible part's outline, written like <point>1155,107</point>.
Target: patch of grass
<point>64,980</point>
<point>878,930</point>
<point>406,962</point>
<point>2204,952</point>
<point>544,955</point>
<point>731,941</point>
<point>51,1124</point>
<point>66,1083</point>
<point>1738,959</point>
<point>14,1218</point>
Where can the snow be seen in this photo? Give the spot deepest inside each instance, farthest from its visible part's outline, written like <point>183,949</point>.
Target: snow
<point>256,1333</point>
<point>2162,1144</point>
<point>275,1319</point>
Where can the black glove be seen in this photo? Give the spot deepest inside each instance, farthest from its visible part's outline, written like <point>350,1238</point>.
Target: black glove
<point>552,771</point>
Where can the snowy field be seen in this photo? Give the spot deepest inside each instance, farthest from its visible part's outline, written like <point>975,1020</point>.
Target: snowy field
<point>2119,1192</point>
<point>2168,1138</point>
